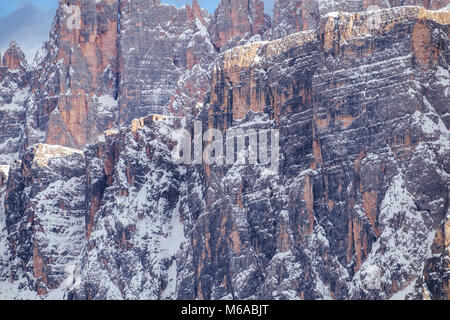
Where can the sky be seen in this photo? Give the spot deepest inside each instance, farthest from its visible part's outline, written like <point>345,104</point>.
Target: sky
<point>28,22</point>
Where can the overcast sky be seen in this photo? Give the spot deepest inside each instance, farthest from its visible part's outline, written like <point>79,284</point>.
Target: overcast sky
<point>28,21</point>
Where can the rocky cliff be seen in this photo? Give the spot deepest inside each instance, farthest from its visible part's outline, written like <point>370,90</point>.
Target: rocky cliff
<point>14,93</point>
<point>74,83</point>
<point>356,208</point>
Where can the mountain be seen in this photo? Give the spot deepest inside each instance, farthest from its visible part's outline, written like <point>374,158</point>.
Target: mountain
<point>298,15</point>
<point>352,205</point>
<point>14,92</point>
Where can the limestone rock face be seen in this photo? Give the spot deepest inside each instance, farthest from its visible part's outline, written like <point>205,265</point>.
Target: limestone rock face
<point>74,88</point>
<point>343,184</point>
<point>339,196</point>
<point>44,220</point>
<point>298,15</point>
<point>436,282</point>
<point>164,56</point>
<point>14,58</point>
<point>14,93</point>
<point>107,63</point>
<point>135,214</point>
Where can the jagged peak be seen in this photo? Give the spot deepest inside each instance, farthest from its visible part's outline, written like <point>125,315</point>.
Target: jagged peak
<point>4,173</point>
<point>14,56</point>
<point>155,2</point>
<point>43,153</point>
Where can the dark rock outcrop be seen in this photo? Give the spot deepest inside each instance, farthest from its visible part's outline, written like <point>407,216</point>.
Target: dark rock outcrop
<point>44,219</point>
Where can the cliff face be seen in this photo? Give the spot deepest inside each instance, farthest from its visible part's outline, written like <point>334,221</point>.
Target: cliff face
<point>74,84</point>
<point>107,63</point>
<point>298,15</point>
<point>353,194</point>
<point>164,56</point>
<point>356,208</point>
<point>136,216</point>
<point>44,219</point>
<point>435,283</point>
<point>14,58</point>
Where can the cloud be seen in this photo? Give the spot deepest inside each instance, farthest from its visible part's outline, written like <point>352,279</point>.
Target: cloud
<point>28,25</point>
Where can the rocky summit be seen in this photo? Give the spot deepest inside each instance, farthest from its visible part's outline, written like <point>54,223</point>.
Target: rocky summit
<point>353,205</point>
